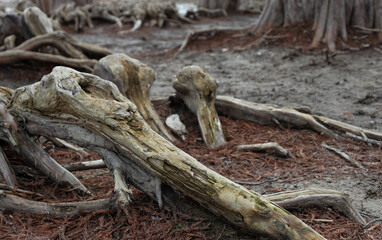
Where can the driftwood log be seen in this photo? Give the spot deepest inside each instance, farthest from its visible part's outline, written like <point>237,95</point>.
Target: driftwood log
<point>84,109</point>
<point>91,112</point>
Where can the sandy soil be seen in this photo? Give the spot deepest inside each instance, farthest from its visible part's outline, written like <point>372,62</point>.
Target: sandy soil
<point>347,88</point>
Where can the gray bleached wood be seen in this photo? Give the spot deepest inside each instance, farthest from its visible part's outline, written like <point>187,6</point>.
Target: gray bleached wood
<point>198,91</point>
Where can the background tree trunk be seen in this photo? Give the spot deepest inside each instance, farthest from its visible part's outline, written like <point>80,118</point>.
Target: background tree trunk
<point>328,18</point>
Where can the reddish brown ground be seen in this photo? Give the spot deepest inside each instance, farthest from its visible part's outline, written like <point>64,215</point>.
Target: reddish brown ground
<point>146,221</point>
<point>296,37</point>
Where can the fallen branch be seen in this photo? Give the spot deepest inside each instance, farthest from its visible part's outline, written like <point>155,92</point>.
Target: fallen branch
<point>13,56</point>
<point>343,155</point>
<point>14,203</point>
<point>87,165</point>
<point>266,146</point>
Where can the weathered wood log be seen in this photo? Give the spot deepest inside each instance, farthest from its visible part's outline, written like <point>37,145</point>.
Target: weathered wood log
<point>133,79</point>
<point>67,96</point>
<point>198,90</point>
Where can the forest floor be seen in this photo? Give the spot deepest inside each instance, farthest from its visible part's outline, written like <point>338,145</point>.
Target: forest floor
<point>283,70</point>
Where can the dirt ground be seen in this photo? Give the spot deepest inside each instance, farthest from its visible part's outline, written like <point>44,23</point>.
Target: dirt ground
<point>346,87</point>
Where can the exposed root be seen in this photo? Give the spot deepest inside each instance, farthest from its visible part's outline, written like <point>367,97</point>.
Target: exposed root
<point>47,165</point>
<point>14,203</point>
<point>344,156</point>
<point>265,114</point>
<point>74,50</point>
<point>317,197</point>
<point>273,146</point>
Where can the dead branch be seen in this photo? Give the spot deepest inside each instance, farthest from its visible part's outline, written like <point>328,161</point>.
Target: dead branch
<point>273,146</point>
<point>14,203</point>
<point>343,155</point>
<point>87,165</point>
<point>13,56</point>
